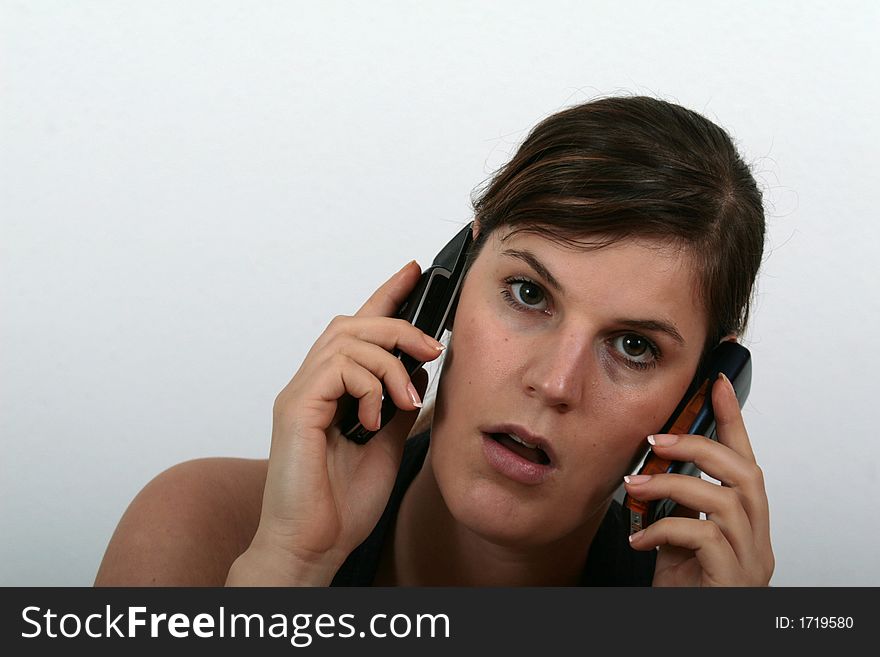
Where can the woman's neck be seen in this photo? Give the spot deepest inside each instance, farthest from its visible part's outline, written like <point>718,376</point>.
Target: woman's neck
<point>427,547</point>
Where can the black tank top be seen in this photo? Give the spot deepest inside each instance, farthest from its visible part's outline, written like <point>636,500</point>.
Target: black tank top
<point>610,561</point>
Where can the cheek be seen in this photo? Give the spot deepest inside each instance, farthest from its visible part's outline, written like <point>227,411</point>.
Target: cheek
<point>482,358</point>
<point>615,420</point>
<point>485,347</point>
<point>648,409</point>
<point>659,401</point>
<point>631,417</point>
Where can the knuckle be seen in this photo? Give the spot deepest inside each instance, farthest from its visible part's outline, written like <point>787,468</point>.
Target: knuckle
<point>403,330</point>
<point>370,389</point>
<point>771,566</point>
<point>279,404</point>
<point>336,341</point>
<point>753,480</point>
<point>410,330</point>
<point>712,532</point>
<point>756,474</point>
<point>337,324</point>
<point>400,371</point>
<point>282,407</point>
<point>338,361</point>
<point>364,386</point>
<point>730,499</point>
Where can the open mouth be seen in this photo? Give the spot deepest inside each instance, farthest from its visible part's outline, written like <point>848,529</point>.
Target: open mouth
<point>516,445</point>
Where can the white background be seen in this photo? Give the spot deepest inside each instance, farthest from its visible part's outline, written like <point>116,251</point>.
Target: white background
<point>190,191</point>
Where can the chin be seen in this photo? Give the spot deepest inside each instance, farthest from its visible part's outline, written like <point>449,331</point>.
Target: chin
<point>497,517</point>
<point>497,512</point>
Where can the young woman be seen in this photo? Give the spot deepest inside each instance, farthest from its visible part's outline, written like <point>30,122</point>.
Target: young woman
<point>611,254</point>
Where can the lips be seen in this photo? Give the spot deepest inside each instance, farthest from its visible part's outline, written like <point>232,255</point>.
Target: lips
<point>514,444</point>
<point>537,449</point>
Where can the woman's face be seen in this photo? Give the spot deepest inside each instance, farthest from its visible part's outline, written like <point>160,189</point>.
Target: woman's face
<point>582,353</point>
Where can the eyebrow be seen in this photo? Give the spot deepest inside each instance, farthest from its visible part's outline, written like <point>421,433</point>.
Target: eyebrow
<point>653,325</point>
<point>529,258</point>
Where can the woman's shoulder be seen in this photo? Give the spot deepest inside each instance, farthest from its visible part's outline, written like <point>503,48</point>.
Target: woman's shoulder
<point>187,525</point>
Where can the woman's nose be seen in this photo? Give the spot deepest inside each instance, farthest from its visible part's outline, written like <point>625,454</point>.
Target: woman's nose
<point>559,370</point>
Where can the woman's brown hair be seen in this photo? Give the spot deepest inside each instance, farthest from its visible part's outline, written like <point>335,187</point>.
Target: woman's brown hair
<point>637,168</point>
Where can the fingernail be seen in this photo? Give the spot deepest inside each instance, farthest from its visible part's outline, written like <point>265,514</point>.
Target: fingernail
<point>663,439</point>
<point>414,395</point>
<point>637,479</point>
<point>722,375</point>
<point>439,346</point>
<point>378,424</point>
<point>400,271</point>
<point>636,536</point>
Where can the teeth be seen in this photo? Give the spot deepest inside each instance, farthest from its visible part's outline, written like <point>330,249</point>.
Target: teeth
<point>521,441</point>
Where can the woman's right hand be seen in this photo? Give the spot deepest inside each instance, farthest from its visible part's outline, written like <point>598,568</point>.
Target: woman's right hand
<point>325,493</point>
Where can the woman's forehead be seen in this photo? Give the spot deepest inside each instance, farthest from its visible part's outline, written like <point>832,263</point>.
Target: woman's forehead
<point>630,276</point>
<point>641,255</point>
<point>587,242</point>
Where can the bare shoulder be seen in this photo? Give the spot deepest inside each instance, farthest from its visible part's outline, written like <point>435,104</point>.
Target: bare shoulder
<point>187,526</point>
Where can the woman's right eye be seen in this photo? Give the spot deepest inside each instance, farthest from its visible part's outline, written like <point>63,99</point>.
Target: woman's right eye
<point>524,294</point>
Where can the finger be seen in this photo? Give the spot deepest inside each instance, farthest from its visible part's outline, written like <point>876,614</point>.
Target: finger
<point>385,301</point>
<point>381,364</point>
<point>732,432</point>
<point>716,460</point>
<point>721,506</point>
<point>687,570</point>
<point>389,442</point>
<point>731,468</point>
<point>327,386</point>
<point>420,381</point>
<point>400,425</point>
<point>388,333</point>
<point>729,422</point>
<point>361,384</point>
<point>715,555</point>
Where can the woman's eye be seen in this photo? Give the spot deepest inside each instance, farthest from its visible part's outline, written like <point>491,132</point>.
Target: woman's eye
<point>528,293</point>
<point>639,351</point>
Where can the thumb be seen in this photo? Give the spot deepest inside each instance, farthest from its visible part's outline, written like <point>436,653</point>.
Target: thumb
<point>387,300</point>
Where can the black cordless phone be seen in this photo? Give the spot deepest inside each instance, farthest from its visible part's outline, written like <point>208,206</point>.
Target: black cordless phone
<point>430,307</point>
<point>693,415</point>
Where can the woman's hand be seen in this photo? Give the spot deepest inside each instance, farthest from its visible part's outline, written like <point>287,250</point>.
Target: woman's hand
<point>325,493</point>
<point>731,547</point>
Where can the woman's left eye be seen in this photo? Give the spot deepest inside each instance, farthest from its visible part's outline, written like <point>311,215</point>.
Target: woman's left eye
<point>638,351</point>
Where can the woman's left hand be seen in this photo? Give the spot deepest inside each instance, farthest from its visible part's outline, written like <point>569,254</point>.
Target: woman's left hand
<point>731,547</point>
